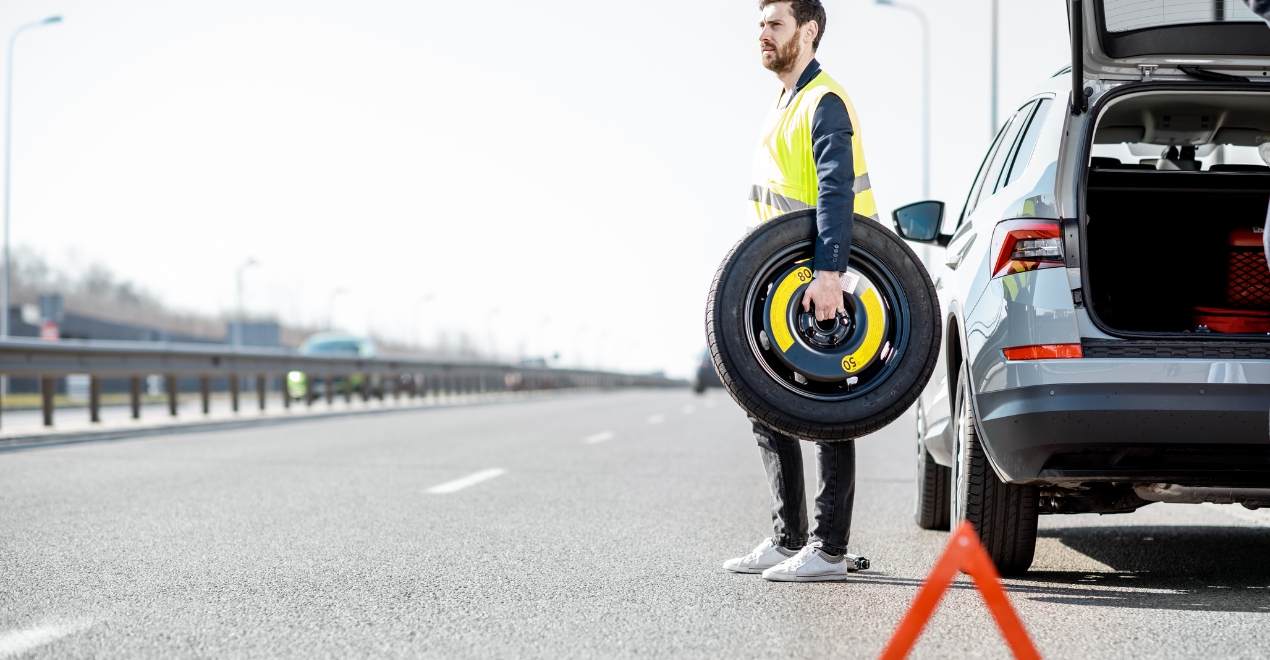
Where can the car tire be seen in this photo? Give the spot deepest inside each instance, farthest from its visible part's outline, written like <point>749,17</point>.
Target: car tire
<point>934,491</point>
<point>1003,514</point>
<point>758,388</point>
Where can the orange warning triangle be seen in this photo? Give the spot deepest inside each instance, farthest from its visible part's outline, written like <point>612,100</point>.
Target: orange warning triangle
<point>964,553</point>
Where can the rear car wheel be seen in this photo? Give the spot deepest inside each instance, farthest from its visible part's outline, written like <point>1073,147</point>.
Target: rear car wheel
<point>1003,514</point>
<point>933,489</point>
<point>828,381</point>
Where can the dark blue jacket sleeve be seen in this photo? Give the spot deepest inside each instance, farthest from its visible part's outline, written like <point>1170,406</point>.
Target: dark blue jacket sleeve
<point>835,168</point>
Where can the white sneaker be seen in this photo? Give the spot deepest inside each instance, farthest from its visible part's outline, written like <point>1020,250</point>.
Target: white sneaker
<point>765,556</point>
<point>809,565</point>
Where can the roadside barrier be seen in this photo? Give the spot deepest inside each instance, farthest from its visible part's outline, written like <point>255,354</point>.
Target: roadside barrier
<point>134,360</point>
<point>964,553</point>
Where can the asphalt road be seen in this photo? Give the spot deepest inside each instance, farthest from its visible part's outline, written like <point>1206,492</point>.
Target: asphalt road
<point>573,527</point>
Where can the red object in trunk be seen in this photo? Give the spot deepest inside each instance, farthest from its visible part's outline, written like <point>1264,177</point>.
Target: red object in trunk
<point>1247,289</point>
<point>1232,321</point>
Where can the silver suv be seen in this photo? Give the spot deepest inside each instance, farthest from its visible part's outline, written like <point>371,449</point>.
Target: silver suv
<point>1105,296</point>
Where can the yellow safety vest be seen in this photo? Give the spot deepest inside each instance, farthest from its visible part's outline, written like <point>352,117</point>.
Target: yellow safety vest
<point>784,167</point>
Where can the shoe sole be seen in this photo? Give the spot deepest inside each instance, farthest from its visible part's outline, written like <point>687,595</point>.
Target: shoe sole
<point>746,571</point>
<point>835,577</point>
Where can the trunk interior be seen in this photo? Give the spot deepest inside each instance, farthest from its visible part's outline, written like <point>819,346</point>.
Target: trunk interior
<point>1159,246</point>
<point>1176,200</point>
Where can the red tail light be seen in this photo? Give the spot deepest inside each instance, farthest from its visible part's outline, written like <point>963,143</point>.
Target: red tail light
<point>1023,245</point>
<point>1044,352</point>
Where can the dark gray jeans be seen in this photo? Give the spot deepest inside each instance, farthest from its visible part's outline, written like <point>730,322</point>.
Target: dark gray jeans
<point>783,461</point>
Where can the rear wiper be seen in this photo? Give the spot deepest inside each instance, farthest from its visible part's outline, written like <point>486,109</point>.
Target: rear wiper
<point>1205,74</point>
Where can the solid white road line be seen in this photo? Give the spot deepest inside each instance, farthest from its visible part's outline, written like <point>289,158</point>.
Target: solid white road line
<point>656,419</point>
<point>603,436</point>
<point>470,480</point>
<point>20,641</point>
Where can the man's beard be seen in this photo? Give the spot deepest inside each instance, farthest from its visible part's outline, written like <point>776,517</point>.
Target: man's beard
<point>785,56</point>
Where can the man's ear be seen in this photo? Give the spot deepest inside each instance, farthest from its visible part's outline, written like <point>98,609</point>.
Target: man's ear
<point>810,30</point>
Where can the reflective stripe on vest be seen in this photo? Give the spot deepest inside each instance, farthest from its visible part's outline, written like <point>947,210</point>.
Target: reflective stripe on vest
<point>784,166</point>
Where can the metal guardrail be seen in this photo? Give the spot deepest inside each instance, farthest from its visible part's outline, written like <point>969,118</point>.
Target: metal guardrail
<point>135,360</point>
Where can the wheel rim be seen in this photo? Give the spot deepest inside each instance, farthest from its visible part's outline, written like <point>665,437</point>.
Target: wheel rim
<point>849,358</point>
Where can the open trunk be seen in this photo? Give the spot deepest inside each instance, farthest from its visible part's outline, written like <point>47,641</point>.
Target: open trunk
<point>1176,199</point>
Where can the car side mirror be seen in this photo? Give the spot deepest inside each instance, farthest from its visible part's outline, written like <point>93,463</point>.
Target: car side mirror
<point>920,222</point>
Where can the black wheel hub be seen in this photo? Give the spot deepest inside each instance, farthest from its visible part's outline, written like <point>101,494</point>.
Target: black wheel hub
<point>835,359</point>
<point>830,338</point>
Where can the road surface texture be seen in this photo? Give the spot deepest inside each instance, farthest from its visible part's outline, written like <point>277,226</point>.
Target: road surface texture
<point>578,526</point>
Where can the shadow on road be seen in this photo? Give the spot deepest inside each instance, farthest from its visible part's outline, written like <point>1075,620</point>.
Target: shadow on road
<point>1217,569</point>
<point>1220,569</point>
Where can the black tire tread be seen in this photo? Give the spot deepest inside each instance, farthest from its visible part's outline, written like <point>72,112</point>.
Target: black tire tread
<point>934,486</point>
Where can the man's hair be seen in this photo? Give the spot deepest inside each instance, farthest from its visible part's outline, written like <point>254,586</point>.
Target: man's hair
<point>804,11</point>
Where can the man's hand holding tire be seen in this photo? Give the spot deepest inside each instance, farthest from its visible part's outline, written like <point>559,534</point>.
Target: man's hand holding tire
<point>825,294</point>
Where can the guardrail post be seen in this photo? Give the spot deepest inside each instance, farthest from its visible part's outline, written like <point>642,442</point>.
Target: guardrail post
<point>94,399</point>
<point>330,389</point>
<point>262,390</point>
<point>286,393</point>
<point>134,395</point>
<point>396,387</point>
<point>348,389</point>
<point>368,381</point>
<point>414,386</point>
<point>48,387</point>
<point>308,390</point>
<point>174,386</point>
<point>234,384</point>
<point>205,393</point>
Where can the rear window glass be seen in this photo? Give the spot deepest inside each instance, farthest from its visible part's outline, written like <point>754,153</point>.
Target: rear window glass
<point>1125,15</point>
<point>1024,153</point>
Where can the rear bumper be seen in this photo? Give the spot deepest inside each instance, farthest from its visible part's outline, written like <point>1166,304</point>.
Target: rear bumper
<point>1197,432</point>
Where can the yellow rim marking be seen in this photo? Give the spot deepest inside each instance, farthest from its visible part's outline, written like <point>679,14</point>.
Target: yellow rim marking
<point>873,338</point>
<point>780,306</point>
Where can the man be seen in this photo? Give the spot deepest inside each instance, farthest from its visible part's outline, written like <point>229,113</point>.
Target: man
<point>810,157</point>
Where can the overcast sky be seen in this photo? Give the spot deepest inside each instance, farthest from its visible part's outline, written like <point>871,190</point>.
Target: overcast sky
<point>559,176</point>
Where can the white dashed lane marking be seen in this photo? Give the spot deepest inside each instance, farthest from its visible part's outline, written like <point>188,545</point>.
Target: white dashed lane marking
<point>470,480</point>
<point>656,419</point>
<point>603,436</point>
<point>17,642</point>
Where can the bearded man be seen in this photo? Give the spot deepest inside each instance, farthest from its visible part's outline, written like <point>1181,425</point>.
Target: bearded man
<point>810,157</point>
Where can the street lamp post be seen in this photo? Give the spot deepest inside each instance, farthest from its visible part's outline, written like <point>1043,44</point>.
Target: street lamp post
<point>8,150</point>
<point>921,17</point>
<point>242,317</point>
<point>996,68</point>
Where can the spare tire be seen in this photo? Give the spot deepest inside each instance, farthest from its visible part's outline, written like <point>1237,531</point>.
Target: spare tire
<point>822,381</point>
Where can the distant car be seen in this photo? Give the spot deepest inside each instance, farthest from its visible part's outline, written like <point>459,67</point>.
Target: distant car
<point>706,375</point>
<point>330,344</point>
